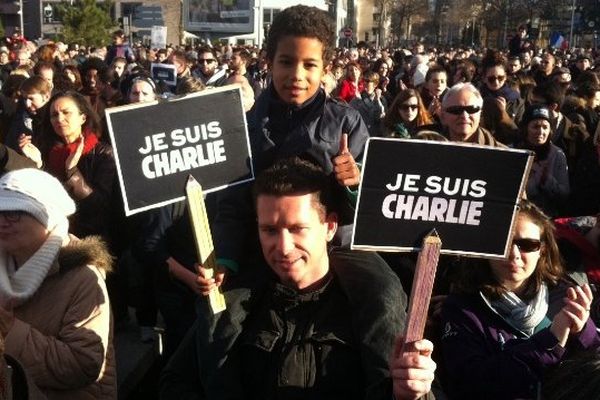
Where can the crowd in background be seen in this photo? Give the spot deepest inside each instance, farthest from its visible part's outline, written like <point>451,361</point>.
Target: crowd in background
<point>543,100</point>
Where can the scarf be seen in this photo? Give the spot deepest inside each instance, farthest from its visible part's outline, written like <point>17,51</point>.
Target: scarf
<point>18,285</point>
<point>525,316</point>
<point>60,152</point>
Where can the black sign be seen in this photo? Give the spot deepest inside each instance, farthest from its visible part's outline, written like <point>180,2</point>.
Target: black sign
<point>467,193</point>
<point>164,72</point>
<point>158,145</point>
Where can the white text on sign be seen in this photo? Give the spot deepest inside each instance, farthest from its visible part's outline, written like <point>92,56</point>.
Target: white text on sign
<point>435,209</point>
<point>188,148</point>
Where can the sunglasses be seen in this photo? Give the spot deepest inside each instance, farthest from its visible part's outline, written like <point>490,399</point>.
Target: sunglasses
<point>12,215</point>
<point>527,245</point>
<point>459,110</point>
<point>406,107</point>
<point>206,60</point>
<point>496,78</point>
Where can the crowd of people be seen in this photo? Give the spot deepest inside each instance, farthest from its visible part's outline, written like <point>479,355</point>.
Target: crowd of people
<point>306,317</point>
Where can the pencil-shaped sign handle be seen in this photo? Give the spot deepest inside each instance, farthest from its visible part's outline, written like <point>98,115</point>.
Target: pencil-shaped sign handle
<point>203,239</point>
<point>422,287</point>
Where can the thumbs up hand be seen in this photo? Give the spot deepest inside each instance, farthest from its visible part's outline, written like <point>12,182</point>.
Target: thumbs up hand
<point>344,166</point>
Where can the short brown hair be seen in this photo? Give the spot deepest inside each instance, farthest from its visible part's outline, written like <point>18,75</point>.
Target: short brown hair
<point>35,84</point>
<point>295,176</point>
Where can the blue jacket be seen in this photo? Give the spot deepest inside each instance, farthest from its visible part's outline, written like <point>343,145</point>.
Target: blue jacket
<point>487,358</point>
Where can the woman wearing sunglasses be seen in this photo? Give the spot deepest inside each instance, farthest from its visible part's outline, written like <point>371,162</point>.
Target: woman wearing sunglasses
<point>548,184</point>
<point>407,115</point>
<point>494,85</point>
<point>509,321</point>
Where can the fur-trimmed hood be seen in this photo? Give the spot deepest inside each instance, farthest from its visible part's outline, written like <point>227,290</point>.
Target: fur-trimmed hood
<point>91,250</point>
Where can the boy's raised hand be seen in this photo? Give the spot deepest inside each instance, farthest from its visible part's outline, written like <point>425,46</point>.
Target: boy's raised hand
<point>344,166</point>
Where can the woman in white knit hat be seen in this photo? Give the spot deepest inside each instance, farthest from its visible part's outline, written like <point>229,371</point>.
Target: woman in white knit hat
<point>54,307</point>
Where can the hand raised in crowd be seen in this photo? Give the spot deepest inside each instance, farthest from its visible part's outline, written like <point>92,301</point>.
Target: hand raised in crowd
<point>501,102</point>
<point>30,150</point>
<point>208,280</point>
<point>412,372</point>
<point>344,166</point>
<point>74,157</point>
<point>574,314</point>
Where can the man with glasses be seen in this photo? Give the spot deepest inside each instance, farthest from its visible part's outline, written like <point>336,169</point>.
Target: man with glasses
<point>461,113</point>
<point>208,70</point>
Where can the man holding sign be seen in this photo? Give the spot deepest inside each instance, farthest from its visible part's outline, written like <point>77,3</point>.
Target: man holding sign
<point>300,329</point>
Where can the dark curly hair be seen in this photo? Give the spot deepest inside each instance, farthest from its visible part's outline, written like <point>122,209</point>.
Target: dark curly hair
<point>302,21</point>
<point>92,122</point>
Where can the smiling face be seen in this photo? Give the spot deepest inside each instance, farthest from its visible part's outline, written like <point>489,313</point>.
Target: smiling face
<point>514,272</point>
<point>297,68</point>
<point>293,235</point>
<point>538,132</point>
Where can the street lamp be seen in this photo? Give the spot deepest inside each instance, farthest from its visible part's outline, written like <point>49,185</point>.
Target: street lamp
<point>572,23</point>
<point>21,18</point>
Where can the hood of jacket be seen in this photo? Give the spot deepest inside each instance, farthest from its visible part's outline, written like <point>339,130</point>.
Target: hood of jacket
<point>91,250</point>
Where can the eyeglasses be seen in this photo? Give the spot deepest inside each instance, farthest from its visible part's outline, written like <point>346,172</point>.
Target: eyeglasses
<point>12,215</point>
<point>527,245</point>
<point>500,78</point>
<point>459,110</point>
<point>206,60</point>
<point>406,107</point>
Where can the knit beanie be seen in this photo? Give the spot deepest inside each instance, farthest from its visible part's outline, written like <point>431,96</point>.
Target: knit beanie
<point>37,193</point>
<point>534,112</point>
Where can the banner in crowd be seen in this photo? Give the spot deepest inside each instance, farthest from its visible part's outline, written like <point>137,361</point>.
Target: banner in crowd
<point>158,36</point>
<point>468,193</point>
<point>166,73</point>
<point>227,16</point>
<point>158,145</point>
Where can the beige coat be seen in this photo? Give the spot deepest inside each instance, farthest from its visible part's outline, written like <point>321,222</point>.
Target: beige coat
<point>62,335</point>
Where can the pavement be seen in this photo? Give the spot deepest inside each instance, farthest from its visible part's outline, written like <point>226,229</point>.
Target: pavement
<point>138,363</point>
